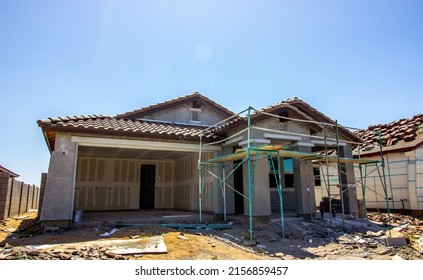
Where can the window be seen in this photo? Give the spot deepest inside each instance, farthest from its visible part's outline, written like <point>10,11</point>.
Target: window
<point>288,173</point>
<point>317,178</point>
<point>195,115</point>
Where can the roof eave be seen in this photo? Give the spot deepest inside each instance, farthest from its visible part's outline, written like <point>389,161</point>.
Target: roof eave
<point>180,100</point>
<point>390,151</point>
<point>127,133</point>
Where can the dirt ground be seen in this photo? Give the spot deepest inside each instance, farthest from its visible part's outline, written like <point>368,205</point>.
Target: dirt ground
<point>21,237</point>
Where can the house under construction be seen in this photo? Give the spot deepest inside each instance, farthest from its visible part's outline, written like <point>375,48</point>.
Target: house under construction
<point>191,153</point>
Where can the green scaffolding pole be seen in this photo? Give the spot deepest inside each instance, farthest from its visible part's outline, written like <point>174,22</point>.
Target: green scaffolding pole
<point>278,180</point>
<point>390,181</point>
<point>363,188</point>
<point>383,179</point>
<point>250,185</point>
<point>199,178</point>
<point>223,186</point>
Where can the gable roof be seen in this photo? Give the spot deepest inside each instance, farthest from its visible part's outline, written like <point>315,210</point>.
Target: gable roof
<point>276,109</point>
<point>320,117</point>
<point>132,124</point>
<point>105,125</point>
<point>397,136</point>
<point>195,97</point>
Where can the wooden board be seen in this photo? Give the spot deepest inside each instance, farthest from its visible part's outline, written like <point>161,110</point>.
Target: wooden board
<point>151,245</point>
<point>269,149</point>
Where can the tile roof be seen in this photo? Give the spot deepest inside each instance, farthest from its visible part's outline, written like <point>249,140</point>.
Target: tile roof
<point>172,102</point>
<point>112,125</point>
<point>319,116</point>
<point>401,134</point>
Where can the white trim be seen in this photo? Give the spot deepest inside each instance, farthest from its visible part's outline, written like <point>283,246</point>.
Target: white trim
<point>253,140</point>
<point>282,136</point>
<point>233,140</point>
<point>302,144</point>
<point>195,110</point>
<point>328,143</point>
<point>140,144</point>
<point>195,122</point>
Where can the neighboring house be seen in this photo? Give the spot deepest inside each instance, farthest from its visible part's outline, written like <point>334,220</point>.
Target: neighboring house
<point>11,174</point>
<point>402,142</point>
<point>148,159</point>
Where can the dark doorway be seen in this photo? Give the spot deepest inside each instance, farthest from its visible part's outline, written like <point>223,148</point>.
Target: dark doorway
<point>147,186</point>
<point>239,187</point>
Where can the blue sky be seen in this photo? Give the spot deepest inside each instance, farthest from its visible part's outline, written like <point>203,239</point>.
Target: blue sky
<point>360,62</point>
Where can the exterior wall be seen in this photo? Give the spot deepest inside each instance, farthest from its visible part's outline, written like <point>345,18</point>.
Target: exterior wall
<point>164,185</point>
<point>288,194</point>
<point>186,184</point>
<point>273,123</point>
<point>41,192</point>
<point>348,186</point>
<point>404,180</point>
<point>59,193</point>
<point>304,197</point>
<point>419,178</point>
<point>260,188</point>
<point>182,114</point>
<point>305,201</point>
<point>333,178</point>
<point>229,193</point>
<point>114,184</point>
<point>186,190</point>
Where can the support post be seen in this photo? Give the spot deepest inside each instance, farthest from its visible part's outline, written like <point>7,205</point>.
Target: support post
<point>250,185</point>
<point>384,176</point>
<point>363,189</point>
<point>200,181</point>
<point>223,186</point>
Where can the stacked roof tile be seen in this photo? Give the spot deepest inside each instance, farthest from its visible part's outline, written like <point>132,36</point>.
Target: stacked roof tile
<point>401,134</point>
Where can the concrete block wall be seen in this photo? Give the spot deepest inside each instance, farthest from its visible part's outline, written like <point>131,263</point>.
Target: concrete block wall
<point>4,195</point>
<point>16,197</point>
<point>41,192</point>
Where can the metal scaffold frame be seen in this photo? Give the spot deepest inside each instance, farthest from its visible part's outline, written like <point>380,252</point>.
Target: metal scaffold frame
<point>250,154</point>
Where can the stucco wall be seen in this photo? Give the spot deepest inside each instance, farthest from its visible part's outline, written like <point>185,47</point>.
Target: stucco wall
<point>182,114</point>
<point>404,181</point>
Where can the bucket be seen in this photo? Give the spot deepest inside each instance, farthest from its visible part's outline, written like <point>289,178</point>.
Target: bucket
<point>77,216</point>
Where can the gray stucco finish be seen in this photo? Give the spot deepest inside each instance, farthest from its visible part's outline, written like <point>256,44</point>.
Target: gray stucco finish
<point>59,193</point>
<point>304,185</point>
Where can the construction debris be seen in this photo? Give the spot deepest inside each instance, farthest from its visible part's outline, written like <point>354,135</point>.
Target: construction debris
<point>395,241</point>
<point>21,217</point>
<point>316,239</point>
<point>182,237</point>
<point>107,234</point>
<point>410,223</point>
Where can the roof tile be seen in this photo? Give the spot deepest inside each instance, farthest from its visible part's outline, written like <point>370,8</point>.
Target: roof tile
<point>120,124</point>
<point>394,133</point>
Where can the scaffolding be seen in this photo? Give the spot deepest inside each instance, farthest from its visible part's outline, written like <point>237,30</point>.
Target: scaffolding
<point>251,153</point>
